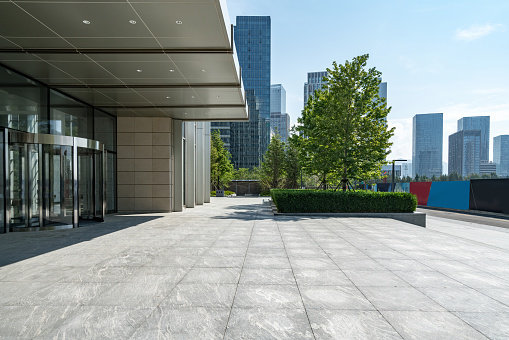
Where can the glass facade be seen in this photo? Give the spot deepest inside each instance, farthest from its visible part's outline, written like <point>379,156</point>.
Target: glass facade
<point>465,152</point>
<point>481,123</point>
<point>53,173</point>
<point>501,154</point>
<point>315,82</point>
<point>248,141</point>
<point>427,143</point>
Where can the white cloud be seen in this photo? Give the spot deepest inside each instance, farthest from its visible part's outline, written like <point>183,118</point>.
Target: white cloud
<point>477,31</point>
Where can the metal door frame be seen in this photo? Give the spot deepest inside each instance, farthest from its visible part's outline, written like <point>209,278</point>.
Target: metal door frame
<point>14,136</point>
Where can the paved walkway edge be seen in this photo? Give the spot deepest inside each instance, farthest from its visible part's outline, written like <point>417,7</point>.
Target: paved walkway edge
<point>416,218</point>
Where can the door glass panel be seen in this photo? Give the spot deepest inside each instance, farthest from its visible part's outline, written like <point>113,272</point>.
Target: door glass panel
<point>85,184</point>
<point>17,175</point>
<point>33,184</point>
<point>58,185</point>
<point>2,174</point>
<point>98,192</point>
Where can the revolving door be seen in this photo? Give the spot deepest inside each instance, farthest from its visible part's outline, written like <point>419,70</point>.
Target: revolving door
<point>52,182</point>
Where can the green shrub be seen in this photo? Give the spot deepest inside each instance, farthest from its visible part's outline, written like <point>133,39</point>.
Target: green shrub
<point>226,193</point>
<point>328,201</point>
<point>265,193</point>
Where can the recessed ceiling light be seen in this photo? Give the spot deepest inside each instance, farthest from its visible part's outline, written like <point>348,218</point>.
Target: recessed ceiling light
<point>86,22</point>
<point>168,97</point>
<point>185,113</point>
<point>226,113</point>
<point>192,97</point>
<point>178,22</point>
<point>139,71</point>
<point>172,70</point>
<point>132,22</point>
<point>217,97</point>
<point>206,113</point>
<point>204,70</point>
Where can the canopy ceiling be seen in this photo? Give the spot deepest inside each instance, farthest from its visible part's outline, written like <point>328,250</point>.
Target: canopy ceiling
<point>151,58</point>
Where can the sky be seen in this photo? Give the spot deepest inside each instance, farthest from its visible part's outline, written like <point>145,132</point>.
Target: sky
<point>448,56</point>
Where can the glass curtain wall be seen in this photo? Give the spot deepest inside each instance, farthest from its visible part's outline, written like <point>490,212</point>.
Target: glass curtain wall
<point>29,106</point>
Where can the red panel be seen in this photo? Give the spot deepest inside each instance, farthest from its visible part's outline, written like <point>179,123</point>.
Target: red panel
<point>421,190</point>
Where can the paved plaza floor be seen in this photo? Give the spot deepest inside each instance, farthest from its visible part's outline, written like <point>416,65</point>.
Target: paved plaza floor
<point>231,270</point>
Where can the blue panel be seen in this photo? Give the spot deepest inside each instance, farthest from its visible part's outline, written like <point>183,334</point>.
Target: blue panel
<point>452,195</point>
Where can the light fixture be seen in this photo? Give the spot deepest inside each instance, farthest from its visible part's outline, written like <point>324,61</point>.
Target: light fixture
<point>192,97</point>
<point>204,70</point>
<point>168,97</point>
<point>133,22</point>
<point>172,70</point>
<point>206,113</point>
<point>86,22</point>
<point>226,113</point>
<point>185,113</point>
<point>178,22</point>
<point>138,70</point>
<point>217,97</point>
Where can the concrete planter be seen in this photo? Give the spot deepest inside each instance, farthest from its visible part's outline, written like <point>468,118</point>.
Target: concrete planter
<point>416,218</point>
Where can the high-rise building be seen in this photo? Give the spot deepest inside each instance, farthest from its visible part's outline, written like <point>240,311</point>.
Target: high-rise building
<point>248,141</point>
<point>427,142</point>
<point>501,154</point>
<point>465,152</point>
<point>481,123</point>
<point>315,82</point>
<point>406,169</point>
<point>487,168</point>
<point>279,119</point>
<point>277,98</point>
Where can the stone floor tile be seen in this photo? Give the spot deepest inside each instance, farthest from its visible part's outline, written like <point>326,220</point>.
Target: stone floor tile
<point>400,299</point>
<point>427,279</point>
<point>376,278</point>
<point>266,262</point>
<point>430,325</point>
<point>350,324</point>
<point>268,296</point>
<point>267,276</point>
<point>200,295</point>
<point>321,277</point>
<point>220,262</point>
<point>334,297</point>
<point>492,325</point>
<point>403,265</point>
<point>313,263</point>
<point>257,324</point>
<point>212,275</point>
<point>464,300</point>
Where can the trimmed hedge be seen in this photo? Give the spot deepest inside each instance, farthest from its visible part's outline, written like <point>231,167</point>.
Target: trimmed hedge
<point>226,193</point>
<point>328,201</point>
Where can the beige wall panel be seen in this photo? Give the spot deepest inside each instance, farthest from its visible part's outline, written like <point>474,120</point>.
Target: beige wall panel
<point>125,151</point>
<point>143,178</point>
<point>161,138</point>
<point>143,204</point>
<point>125,164</point>
<point>161,203</point>
<point>125,138</point>
<point>161,164</point>
<point>125,177</point>
<point>161,124</point>
<point>125,204</point>
<point>143,151</point>
<point>160,191</point>
<point>143,191</point>
<point>161,151</point>
<point>142,124</point>
<point>125,190</point>
<point>161,178</point>
<point>143,138</point>
<point>125,124</point>
<point>142,165</point>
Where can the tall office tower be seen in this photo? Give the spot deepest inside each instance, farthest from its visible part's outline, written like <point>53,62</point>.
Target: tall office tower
<point>427,142</point>
<point>465,152</point>
<point>315,82</point>
<point>501,154</point>
<point>279,119</point>
<point>249,140</point>
<point>277,98</point>
<point>478,123</point>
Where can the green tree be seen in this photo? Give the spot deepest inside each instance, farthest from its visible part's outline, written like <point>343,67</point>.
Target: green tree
<point>292,167</point>
<point>343,131</point>
<point>272,169</point>
<point>221,168</point>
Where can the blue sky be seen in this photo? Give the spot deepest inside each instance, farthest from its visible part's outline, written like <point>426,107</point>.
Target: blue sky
<point>447,56</point>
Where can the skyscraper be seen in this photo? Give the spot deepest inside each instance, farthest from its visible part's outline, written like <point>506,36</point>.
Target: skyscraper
<point>501,154</point>
<point>315,82</point>
<point>279,119</point>
<point>465,152</point>
<point>481,123</point>
<point>248,141</point>
<point>427,142</point>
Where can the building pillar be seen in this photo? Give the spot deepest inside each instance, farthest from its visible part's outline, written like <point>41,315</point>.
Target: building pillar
<point>178,167</point>
<point>206,149</point>
<point>190,166</point>
<point>200,163</point>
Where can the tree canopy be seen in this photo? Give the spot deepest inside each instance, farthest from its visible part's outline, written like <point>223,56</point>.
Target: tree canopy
<point>343,133</point>
<point>221,168</point>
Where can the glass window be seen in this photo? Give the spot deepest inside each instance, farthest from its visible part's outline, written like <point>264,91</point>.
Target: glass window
<point>69,117</point>
<point>105,130</point>
<point>22,103</point>
<point>111,182</point>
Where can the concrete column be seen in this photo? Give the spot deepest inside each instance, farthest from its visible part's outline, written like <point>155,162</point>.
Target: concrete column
<point>200,163</point>
<point>190,175</point>
<point>206,149</point>
<point>178,167</point>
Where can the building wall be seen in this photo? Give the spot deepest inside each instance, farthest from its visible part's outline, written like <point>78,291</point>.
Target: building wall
<point>144,164</point>
<point>501,154</point>
<point>427,141</point>
<point>465,152</point>
<point>250,140</point>
<point>315,82</point>
<point>481,123</point>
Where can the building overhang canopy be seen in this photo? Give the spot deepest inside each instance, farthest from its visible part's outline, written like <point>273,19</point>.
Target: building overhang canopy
<point>168,58</point>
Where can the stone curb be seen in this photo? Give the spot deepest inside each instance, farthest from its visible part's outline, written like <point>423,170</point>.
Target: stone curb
<point>416,218</point>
